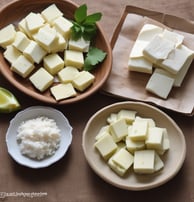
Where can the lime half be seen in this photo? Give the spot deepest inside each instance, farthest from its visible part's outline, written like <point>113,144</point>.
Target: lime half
<point>8,102</point>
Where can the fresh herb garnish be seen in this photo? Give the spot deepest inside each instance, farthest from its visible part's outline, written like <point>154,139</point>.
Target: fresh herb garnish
<point>84,25</point>
<point>93,57</point>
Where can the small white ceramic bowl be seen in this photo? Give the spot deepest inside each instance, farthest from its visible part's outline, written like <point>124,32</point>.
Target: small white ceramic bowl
<point>34,112</point>
<point>173,159</point>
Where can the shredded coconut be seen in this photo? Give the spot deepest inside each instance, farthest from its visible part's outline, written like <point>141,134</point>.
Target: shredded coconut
<point>38,138</point>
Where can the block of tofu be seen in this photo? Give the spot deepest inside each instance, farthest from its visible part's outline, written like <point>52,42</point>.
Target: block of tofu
<point>74,58</point>
<point>21,41</point>
<point>106,146</point>
<point>22,66</point>
<point>137,49</point>
<point>158,163</point>
<point>154,138</point>
<point>46,37</point>
<point>119,130</point>
<point>138,131</point>
<point>7,35</point>
<point>60,44</point>
<point>11,54</point>
<point>34,21</point>
<point>67,74</point>
<point>112,118</point>
<point>83,80</point>
<point>63,26</point>
<point>41,79</point>
<point>63,91</point>
<point>160,83</point>
<point>53,63</point>
<point>51,13</point>
<point>102,131</point>
<point>151,122</point>
<point>158,49</point>
<point>79,45</point>
<point>140,64</point>
<point>128,115</point>
<point>34,52</point>
<point>22,26</point>
<point>121,161</point>
<point>144,161</point>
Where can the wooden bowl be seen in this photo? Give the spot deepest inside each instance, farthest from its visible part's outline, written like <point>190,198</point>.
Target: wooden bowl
<point>17,10</point>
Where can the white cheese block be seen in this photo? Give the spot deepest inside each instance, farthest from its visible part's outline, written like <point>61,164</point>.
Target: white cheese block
<point>7,35</point>
<point>41,79</point>
<point>158,163</point>
<point>22,26</point>
<point>79,45</point>
<point>51,13</point>
<point>112,118</point>
<point>60,44</point>
<point>83,80</point>
<point>106,146</point>
<point>102,131</point>
<point>67,74</point>
<point>137,49</point>
<point>119,130</point>
<point>11,54</point>
<point>144,161</point>
<point>22,66</point>
<point>128,115</point>
<point>151,122</point>
<point>63,91</point>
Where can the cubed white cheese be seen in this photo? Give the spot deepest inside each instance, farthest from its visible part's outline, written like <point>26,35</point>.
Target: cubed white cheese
<point>22,26</point>
<point>67,74</point>
<point>11,54</point>
<point>112,118</point>
<point>79,45</point>
<point>128,115</point>
<point>102,131</point>
<point>158,163</point>
<point>151,122</point>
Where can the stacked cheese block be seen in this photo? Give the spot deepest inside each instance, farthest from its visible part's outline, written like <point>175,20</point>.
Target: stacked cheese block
<point>160,52</point>
<point>128,140</point>
<point>37,41</point>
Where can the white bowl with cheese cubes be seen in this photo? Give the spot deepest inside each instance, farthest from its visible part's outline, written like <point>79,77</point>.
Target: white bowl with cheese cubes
<point>40,57</point>
<point>133,145</point>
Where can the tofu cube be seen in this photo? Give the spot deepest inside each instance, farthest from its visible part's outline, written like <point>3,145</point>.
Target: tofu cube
<point>51,13</point>
<point>63,91</point>
<point>112,118</point>
<point>158,163</point>
<point>21,41</point>
<point>41,79</point>
<point>7,35</point>
<point>22,66</point>
<point>53,63</point>
<point>79,45</point>
<point>121,161</point>
<point>11,54</point>
<point>128,115</point>
<point>60,44</point>
<point>151,122</point>
<point>67,74</point>
<point>22,26</point>
<point>63,26</point>
<point>119,130</point>
<point>106,146</point>
<point>144,161</point>
<point>83,80</point>
<point>102,131</point>
<point>34,52</point>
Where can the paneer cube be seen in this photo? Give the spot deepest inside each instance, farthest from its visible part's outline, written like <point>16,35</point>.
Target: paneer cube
<point>79,45</point>
<point>102,131</point>
<point>60,45</point>
<point>38,81</point>
<point>128,115</point>
<point>22,26</point>
<point>151,122</point>
<point>67,74</point>
<point>11,54</point>
<point>158,163</point>
<point>112,118</point>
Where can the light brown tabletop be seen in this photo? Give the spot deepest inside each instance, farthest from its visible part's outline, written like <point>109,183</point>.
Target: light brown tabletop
<point>71,179</point>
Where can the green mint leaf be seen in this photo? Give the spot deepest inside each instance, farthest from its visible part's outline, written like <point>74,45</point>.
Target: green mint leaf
<point>80,13</point>
<point>93,57</point>
<point>93,18</point>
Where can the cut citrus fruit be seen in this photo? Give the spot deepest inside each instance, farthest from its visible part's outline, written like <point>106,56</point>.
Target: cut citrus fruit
<point>8,102</point>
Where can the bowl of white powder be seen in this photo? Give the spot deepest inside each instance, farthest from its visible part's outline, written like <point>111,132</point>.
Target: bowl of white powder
<point>38,136</point>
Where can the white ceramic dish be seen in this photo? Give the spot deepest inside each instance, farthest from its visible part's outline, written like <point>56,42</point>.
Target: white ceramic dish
<point>173,159</point>
<point>30,113</point>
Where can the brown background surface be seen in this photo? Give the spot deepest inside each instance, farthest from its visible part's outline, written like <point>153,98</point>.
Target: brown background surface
<point>71,179</point>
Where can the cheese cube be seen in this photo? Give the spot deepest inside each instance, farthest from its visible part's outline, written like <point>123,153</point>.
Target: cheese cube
<point>74,58</point>
<point>154,138</point>
<point>41,79</point>
<point>83,80</point>
<point>51,13</point>
<point>158,163</point>
<point>106,146</point>
<point>151,122</point>
<point>144,161</point>
<point>160,84</point>
<point>11,54</point>
<point>112,118</point>
<point>63,26</point>
<point>34,21</point>
<point>60,45</point>
<point>53,63</point>
<point>128,115</point>
<point>138,130</point>
<point>79,45</point>
<point>67,74</point>
<point>63,91</point>
<point>121,161</point>
<point>34,52</point>
<point>7,35</point>
<point>158,49</point>
<point>102,131</point>
<point>22,66</point>
<point>22,26</point>
<point>119,130</point>
<point>21,41</point>
<point>137,49</point>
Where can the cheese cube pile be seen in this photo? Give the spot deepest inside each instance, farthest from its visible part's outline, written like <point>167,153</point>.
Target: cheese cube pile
<point>162,53</point>
<point>41,49</point>
<point>128,140</point>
